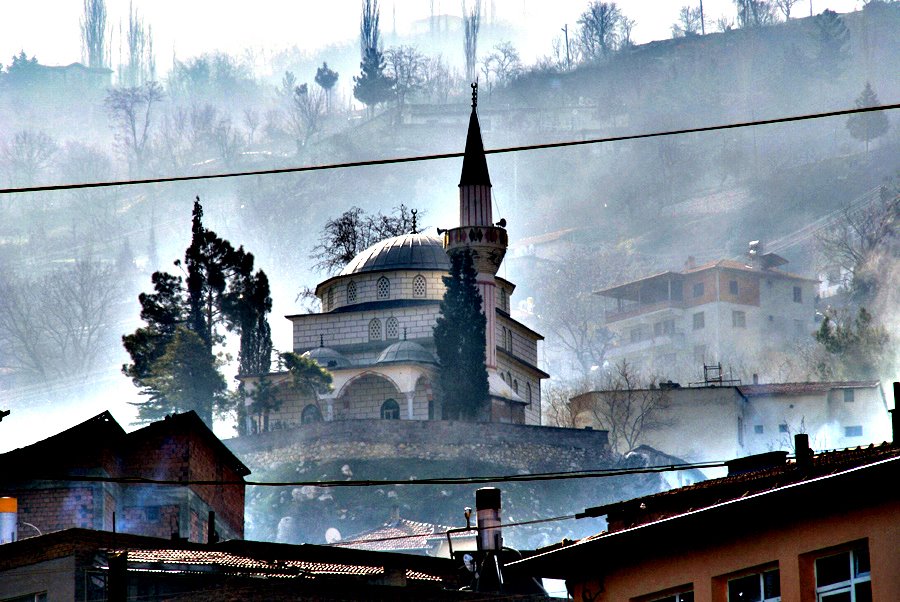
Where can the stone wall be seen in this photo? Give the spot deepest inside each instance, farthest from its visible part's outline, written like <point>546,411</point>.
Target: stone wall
<point>519,447</point>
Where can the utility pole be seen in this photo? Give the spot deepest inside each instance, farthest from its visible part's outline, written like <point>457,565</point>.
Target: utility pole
<point>703,19</point>
<point>565,30</point>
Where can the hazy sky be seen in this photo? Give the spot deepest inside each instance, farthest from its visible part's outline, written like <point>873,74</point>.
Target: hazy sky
<point>49,29</point>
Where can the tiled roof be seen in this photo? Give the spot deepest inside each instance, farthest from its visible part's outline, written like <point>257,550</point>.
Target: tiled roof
<point>403,534</point>
<point>716,491</point>
<point>803,388</point>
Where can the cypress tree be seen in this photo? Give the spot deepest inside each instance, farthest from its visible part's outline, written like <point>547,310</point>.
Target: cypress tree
<point>459,337</point>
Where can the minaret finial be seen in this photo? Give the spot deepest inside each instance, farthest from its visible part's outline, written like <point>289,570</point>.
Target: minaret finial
<point>404,333</point>
<point>414,227</point>
<point>474,95</point>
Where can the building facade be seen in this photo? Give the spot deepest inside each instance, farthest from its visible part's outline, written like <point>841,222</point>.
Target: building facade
<point>375,331</point>
<point>729,312</point>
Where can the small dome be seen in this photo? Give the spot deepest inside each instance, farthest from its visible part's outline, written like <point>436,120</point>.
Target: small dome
<point>327,358</point>
<point>406,252</point>
<point>406,351</point>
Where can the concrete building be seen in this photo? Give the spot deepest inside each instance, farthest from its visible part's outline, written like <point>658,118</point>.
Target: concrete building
<point>821,528</point>
<point>375,331</point>
<point>77,479</point>
<point>741,420</point>
<point>730,312</point>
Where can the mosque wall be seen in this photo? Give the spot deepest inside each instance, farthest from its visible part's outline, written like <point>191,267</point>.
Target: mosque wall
<point>356,327</point>
<point>365,288</point>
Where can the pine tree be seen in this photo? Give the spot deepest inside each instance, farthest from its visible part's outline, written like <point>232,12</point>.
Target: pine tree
<point>459,337</point>
<point>326,78</point>
<point>871,125</point>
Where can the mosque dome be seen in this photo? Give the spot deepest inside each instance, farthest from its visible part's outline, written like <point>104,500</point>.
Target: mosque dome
<point>327,358</point>
<point>405,252</point>
<point>406,351</point>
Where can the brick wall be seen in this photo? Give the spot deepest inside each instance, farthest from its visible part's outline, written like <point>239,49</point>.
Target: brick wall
<point>54,508</point>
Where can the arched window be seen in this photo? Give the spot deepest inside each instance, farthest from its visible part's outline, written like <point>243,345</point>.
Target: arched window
<point>528,392</point>
<point>509,337</point>
<point>509,379</point>
<point>503,299</point>
<point>375,330</point>
<point>516,387</point>
<point>310,414</point>
<point>384,288</point>
<point>390,410</point>
<point>330,299</point>
<point>419,286</point>
<point>351,292</point>
<point>392,328</point>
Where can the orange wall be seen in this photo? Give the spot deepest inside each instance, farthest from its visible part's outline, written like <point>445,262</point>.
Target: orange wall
<point>792,549</point>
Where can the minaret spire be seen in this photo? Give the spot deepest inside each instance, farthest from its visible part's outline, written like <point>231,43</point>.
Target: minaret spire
<point>474,169</point>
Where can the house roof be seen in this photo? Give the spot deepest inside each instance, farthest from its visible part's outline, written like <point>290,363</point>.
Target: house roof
<point>722,509</point>
<point>401,534</point>
<point>765,390</point>
<point>90,446</point>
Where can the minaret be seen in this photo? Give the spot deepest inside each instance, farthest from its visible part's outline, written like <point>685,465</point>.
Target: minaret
<point>476,231</point>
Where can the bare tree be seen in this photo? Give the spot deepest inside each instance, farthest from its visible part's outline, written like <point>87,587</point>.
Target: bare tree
<point>626,409</point>
<point>251,122</point>
<point>27,156</point>
<point>141,66</point>
<point>502,65</point>
<point>406,66</point>
<point>785,6</point>
<point>755,13</point>
<point>131,112</point>
<point>302,109</point>
<point>471,23</point>
<point>689,22</point>
<point>598,34</point>
<point>93,34</point>
<point>863,242</point>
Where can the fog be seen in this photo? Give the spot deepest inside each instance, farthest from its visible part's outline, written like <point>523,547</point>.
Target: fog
<point>580,219</point>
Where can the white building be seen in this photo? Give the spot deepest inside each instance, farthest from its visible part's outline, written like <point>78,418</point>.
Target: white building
<point>375,331</point>
<point>734,313</point>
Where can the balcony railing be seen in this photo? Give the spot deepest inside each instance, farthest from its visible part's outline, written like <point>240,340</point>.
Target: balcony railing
<point>641,309</point>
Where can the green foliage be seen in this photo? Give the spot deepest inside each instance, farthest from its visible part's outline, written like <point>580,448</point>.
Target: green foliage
<point>220,290</point>
<point>833,41</point>
<point>186,377</point>
<point>325,77</point>
<point>855,349</point>
<point>372,87</point>
<point>867,126</point>
<point>459,337</point>
<point>306,375</point>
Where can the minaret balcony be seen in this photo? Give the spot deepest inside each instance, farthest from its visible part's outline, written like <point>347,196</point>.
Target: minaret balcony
<point>488,244</point>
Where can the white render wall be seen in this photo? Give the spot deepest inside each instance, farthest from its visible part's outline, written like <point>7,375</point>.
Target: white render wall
<point>352,327</point>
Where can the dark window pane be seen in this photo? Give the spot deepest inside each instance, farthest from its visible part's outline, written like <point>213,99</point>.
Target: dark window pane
<point>744,589</point>
<point>687,597</point>
<point>771,584</point>
<point>864,592</point>
<point>861,559</point>
<point>833,569</point>
<point>837,597</point>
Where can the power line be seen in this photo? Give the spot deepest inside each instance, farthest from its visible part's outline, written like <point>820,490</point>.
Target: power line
<point>456,155</point>
<point>544,476</point>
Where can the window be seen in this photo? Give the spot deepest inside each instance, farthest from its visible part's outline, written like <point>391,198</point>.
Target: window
<point>509,379</point>
<point>375,330</point>
<point>733,287</point>
<point>390,410</point>
<point>664,328</point>
<point>844,577</point>
<point>516,387</point>
<point>351,292</point>
<point>758,587</point>
<point>848,395</point>
<point>509,340</point>
<point>738,319</point>
<point>783,427</point>
<point>310,414</point>
<point>392,328</point>
<point>528,392</point>
<point>699,320</point>
<point>682,597</point>
<point>419,287</point>
<point>330,297</point>
<point>503,300</point>
<point>38,597</point>
<point>798,295</point>
<point>384,288</point>
<point>637,334</point>
<point>698,289</point>
<point>853,431</point>
<point>758,429</point>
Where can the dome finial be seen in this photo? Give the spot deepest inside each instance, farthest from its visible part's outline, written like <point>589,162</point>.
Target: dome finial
<point>404,333</point>
<point>474,94</point>
<point>414,228</point>
<point>321,340</point>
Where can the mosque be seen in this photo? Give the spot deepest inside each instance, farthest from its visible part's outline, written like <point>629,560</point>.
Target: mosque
<point>375,331</point>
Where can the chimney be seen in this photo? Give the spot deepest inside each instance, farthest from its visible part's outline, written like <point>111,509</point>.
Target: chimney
<point>754,253</point>
<point>490,540</point>
<point>755,378</point>
<point>691,263</point>
<point>9,519</point>
<point>895,417</point>
<point>802,453</point>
